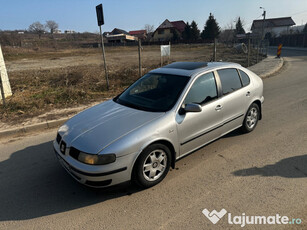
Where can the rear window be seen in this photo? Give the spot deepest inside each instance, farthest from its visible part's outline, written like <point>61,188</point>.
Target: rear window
<point>230,80</point>
<point>244,77</point>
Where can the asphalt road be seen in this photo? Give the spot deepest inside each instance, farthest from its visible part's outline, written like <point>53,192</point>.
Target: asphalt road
<point>262,173</point>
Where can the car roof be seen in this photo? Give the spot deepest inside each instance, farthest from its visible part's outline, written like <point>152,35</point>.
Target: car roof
<point>191,68</point>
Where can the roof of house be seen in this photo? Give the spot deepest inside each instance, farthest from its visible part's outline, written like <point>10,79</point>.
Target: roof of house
<point>273,22</point>
<point>179,25</point>
<point>137,32</point>
<point>118,31</point>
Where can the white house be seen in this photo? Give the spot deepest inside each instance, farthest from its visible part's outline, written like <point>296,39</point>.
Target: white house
<point>274,26</point>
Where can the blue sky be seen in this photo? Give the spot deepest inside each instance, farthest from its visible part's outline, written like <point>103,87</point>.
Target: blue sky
<point>80,15</point>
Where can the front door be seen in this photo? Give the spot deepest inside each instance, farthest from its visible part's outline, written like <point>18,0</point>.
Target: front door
<point>195,129</point>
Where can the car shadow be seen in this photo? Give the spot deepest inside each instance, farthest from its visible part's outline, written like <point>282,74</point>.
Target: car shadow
<point>292,167</point>
<point>33,184</point>
<point>235,133</point>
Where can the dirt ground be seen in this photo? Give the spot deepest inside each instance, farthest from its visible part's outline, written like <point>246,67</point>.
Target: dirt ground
<point>119,56</point>
<point>48,84</point>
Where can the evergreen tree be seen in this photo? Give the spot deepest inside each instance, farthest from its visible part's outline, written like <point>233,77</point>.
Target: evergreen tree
<point>305,29</point>
<point>211,30</point>
<point>239,27</point>
<point>194,31</point>
<point>176,36</point>
<point>186,34</point>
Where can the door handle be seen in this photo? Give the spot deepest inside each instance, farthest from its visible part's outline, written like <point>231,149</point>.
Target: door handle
<point>218,107</point>
<point>248,94</point>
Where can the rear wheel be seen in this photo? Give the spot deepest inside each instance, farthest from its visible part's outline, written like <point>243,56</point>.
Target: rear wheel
<point>251,118</point>
<point>152,165</point>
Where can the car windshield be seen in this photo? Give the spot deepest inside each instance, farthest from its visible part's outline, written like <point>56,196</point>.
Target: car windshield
<point>153,92</point>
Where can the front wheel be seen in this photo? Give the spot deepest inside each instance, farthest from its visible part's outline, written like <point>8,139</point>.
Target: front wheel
<point>152,165</point>
<point>251,118</point>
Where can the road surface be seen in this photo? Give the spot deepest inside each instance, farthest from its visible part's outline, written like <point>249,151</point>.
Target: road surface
<point>263,173</point>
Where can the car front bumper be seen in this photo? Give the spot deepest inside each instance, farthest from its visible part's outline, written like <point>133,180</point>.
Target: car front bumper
<point>96,175</point>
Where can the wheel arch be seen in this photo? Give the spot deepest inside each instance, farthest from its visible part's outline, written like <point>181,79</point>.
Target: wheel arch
<point>163,142</point>
<point>258,102</point>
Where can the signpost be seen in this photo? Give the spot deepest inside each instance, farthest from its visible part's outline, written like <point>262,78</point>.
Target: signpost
<point>100,20</point>
<point>5,86</point>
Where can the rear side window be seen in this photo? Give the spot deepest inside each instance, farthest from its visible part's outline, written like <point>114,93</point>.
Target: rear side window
<point>230,80</point>
<point>244,77</point>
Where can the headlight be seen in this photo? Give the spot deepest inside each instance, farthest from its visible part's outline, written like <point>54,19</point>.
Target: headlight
<point>96,159</point>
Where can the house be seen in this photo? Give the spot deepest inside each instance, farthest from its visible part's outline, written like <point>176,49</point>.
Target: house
<point>141,34</point>
<point>119,36</point>
<point>70,32</point>
<point>57,31</point>
<point>272,26</point>
<point>167,29</point>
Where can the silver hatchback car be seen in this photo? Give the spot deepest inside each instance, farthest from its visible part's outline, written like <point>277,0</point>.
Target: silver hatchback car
<point>163,116</point>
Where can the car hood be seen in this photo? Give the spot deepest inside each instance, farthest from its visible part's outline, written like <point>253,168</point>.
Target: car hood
<point>95,128</point>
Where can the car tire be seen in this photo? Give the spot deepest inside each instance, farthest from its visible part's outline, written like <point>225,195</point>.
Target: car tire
<point>152,165</point>
<point>251,118</point>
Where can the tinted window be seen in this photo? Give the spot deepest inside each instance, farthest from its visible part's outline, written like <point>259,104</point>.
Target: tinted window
<point>230,80</point>
<point>203,90</point>
<point>153,92</point>
<point>244,77</point>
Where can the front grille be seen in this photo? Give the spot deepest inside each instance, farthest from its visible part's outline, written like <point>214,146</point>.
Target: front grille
<point>58,138</point>
<point>74,153</point>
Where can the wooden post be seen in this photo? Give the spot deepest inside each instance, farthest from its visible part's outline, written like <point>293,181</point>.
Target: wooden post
<point>104,59</point>
<point>169,57</point>
<point>140,59</point>
<point>248,52</point>
<point>2,91</point>
<point>214,50</point>
<point>257,59</point>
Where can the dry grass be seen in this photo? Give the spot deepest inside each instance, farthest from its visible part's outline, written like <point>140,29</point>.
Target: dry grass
<point>36,91</point>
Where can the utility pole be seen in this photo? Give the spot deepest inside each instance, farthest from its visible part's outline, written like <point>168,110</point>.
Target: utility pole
<point>262,32</point>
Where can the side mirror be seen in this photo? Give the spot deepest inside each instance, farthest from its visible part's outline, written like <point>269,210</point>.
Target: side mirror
<point>194,108</point>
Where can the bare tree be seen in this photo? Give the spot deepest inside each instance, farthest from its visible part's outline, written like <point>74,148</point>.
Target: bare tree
<point>37,28</point>
<point>149,28</point>
<point>52,25</point>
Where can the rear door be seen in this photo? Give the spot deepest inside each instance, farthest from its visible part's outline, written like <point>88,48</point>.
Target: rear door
<point>235,98</point>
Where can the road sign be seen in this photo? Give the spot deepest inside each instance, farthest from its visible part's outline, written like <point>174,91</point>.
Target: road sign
<point>99,12</point>
<point>165,50</point>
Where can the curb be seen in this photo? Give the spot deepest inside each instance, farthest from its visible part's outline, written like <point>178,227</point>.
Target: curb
<point>31,128</point>
<point>56,123</point>
<point>274,70</point>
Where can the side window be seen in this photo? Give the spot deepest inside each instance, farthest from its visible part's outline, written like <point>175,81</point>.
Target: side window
<point>244,77</point>
<point>203,90</point>
<point>230,80</point>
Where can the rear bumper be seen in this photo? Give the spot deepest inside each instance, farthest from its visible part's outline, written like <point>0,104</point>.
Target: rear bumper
<point>96,176</point>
